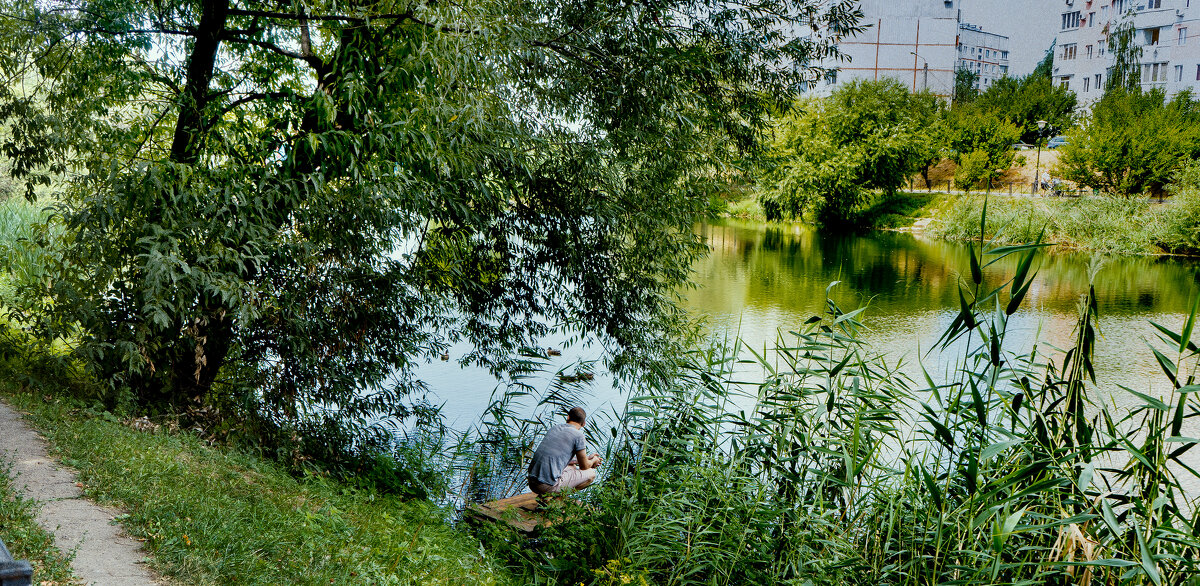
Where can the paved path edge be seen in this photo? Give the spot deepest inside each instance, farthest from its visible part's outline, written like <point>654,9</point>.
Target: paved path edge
<point>103,554</point>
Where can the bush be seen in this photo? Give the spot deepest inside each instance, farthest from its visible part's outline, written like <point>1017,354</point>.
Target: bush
<point>825,472</point>
<point>1178,227</point>
<point>1101,224</point>
<point>973,169</point>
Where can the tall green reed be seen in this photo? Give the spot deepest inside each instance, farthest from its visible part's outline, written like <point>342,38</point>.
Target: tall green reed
<point>834,467</point>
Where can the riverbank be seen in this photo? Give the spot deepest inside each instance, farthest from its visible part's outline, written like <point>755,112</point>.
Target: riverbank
<point>1102,224</point>
<point>214,515</point>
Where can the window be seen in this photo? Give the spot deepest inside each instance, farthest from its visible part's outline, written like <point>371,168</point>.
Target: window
<point>1152,36</point>
<point>1153,4</point>
<point>1100,46</point>
<point>1097,84</point>
<point>1183,35</point>
<point>1154,73</point>
<point>1085,84</point>
<point>1070,20</point>
<point>1088,49</point>
<point>1068,52</point>
<point>1104,12</point>
<point>1065,82</point>
<point>1178,73</point>
<point>1091,19</point>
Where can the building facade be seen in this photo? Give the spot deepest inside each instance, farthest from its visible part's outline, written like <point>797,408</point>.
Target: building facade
<point>914,42</point>
<point>920,43</point>
<point>983,53</point>
<point>1167,31</point>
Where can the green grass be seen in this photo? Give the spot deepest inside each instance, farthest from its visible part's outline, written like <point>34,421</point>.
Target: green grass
<point>1101,224</point>
<point>26,540</point>
<point>212,516</point>
<point>900,209</point>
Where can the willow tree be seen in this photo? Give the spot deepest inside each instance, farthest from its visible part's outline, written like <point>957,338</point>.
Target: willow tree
<point>303,200</point>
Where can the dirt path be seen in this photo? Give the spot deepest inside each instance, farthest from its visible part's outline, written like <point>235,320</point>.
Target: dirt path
<point>103,554</point>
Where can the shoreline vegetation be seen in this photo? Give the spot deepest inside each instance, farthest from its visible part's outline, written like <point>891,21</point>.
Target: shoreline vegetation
<point>251,250</point>
<point>832,469</point>
<point>1137,226</point>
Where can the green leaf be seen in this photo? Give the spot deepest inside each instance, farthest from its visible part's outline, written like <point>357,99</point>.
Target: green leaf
<point>1148,563</point>
<point>997,448</point>
<point>976,273</point>
<point>1185,337</point>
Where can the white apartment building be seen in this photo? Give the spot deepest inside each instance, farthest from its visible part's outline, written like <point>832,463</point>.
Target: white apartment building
<point>914,42</point>
<point>1168,31</point>
<point>982,53</point>
<point>921,43</point>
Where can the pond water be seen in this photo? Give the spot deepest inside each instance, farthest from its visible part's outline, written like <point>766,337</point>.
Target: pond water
<point>761,278</point>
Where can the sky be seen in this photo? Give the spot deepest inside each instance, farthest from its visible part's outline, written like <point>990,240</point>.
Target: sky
<point>1029,24</point>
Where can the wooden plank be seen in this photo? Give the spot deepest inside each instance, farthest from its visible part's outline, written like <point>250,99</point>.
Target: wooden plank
<point>519,512</point>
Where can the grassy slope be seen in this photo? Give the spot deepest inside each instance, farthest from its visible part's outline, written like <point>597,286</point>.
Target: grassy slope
<point>214,517</point>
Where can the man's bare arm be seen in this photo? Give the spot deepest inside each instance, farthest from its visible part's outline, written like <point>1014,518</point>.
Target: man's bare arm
<point>587,462</point>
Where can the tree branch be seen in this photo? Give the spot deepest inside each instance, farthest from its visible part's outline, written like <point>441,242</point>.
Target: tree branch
<point>324,17</point>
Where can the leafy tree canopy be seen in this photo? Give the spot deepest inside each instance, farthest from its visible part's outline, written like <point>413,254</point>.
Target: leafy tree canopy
<point>1133,142</point>
<point>965,91</point>
<point>292,204</point>
<point>1024,101</point>
<point>829,154</point>
<point>980,142</point>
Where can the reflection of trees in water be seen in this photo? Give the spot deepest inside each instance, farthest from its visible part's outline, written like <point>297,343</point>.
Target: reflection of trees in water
<point>788,267</point>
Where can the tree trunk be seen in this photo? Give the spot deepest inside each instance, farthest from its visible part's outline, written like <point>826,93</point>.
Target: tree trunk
<point>189,137</point>
<point>202,345</point>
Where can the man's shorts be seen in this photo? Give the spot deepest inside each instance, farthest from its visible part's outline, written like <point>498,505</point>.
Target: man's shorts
<point>572,477</point>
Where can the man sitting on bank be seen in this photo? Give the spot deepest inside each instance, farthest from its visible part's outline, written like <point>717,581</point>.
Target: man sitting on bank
<point>561,460</point>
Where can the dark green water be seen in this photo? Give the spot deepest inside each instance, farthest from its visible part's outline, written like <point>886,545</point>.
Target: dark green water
<point>761,278</point>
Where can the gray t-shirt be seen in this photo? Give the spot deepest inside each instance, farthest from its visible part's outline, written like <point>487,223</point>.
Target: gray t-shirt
<point>556,449</point>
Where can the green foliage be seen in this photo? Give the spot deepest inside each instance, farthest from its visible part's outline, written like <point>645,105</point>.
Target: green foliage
<point>1106,225</point>
<point>1133,142</point>
<point>25,539</point>
<point>1126,71</point>
<point>280,211</point>
<point>836,469</point>
<point>210,516</point>
<point>1178,225</point>
<point>1024,101</point>
<point>980,142</point>
<point>830,154</point>
<point>965,91</point>
<point>974,168</point>
<point>899,209</point>
<point>1045,67</point>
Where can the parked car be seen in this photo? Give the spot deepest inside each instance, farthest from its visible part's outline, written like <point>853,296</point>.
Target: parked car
<point>1056,142</point>
<point>1021,146</point>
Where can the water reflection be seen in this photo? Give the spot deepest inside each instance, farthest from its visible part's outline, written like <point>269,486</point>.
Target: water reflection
<point>761,278</point>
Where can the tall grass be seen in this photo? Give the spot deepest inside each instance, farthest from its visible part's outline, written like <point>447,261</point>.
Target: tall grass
<point>1101,224</point>
<point>834,468</point>
<point>20,263</point>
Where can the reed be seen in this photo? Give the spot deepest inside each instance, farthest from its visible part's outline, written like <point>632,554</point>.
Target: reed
<point>833,467</point>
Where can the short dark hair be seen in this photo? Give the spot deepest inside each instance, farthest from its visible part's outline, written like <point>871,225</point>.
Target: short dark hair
<point>576,414</point>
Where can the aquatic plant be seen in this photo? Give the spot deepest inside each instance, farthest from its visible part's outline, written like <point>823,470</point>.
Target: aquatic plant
<point>834,467</point>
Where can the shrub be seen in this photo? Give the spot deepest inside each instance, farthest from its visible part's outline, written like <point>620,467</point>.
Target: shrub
<point>1178,223</point>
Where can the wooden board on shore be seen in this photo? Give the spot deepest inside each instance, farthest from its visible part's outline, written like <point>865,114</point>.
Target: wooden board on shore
<point>519,512</point>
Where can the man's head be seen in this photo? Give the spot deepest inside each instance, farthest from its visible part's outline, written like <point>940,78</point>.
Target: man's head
<point>576,415</point>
